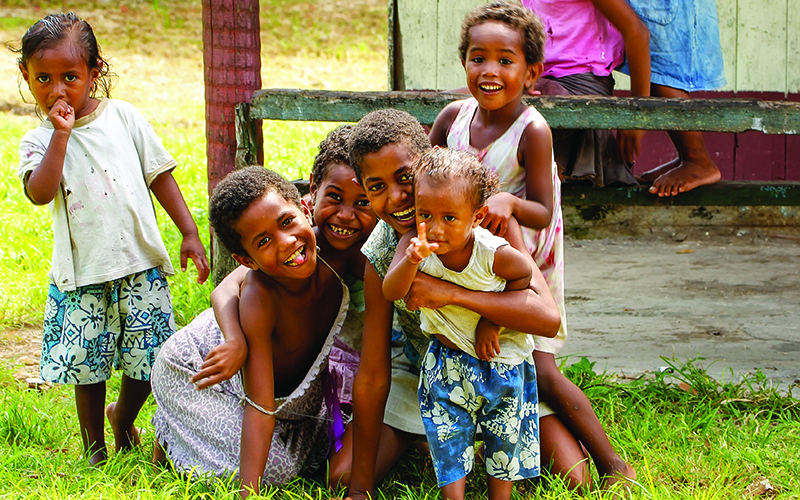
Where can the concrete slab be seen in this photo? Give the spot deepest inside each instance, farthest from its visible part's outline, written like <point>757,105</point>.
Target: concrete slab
<point>734,301</point>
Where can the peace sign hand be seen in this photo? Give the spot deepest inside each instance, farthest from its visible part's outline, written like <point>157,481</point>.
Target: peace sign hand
<point>419,248</point>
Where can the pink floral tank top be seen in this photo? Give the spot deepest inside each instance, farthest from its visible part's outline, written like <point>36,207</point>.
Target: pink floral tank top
<point>545,245</point>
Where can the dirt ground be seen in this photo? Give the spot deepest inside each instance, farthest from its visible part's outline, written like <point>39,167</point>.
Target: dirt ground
<point>733,300</point>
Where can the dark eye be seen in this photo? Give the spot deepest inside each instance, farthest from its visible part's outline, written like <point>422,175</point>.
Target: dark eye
<point>362,203</point>
<point>478,59</point>
<point>335,196</point>
<point>263,241</point>
<point>449,218</point>
<point>406,178</point>
<point>70,78</point>
<point>42,79</point>
<point>424,216</point>
<point>287,221</point>
<point>376,187</point>
<point>506,62</point>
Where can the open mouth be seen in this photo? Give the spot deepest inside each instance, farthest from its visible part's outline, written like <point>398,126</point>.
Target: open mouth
<point>490,87</point>
<point>342,231</point>
<point>297,258</point>
<point>404,215</point>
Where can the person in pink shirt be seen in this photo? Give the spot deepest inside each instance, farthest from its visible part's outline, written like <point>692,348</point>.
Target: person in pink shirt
<point>586,41</point>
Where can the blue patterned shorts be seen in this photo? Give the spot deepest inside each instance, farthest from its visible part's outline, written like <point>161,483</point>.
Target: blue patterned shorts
<point>122,322</point>
<point>457,392</point>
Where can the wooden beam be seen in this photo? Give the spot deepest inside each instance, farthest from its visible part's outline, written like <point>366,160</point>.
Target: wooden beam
<point>712,115</point>
<point>723,193</point>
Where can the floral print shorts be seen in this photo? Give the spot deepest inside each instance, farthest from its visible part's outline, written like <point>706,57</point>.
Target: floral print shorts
<point>457,392</point>
<point>120,324</point>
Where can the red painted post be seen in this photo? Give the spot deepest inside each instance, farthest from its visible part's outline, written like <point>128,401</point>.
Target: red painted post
<point>232,70</point>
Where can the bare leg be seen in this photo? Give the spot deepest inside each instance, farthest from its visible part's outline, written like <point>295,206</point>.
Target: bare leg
<point>499,489</point>
<point>90,400</point>
<point>563,455</point>
<point>694,166</point>
<point>454,490</point>
<point>159,454</point>
<point>121,415</point>
<point>393,444</point>
<point>577,413</point>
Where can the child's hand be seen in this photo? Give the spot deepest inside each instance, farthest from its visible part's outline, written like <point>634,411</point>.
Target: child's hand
<point>418,248</point>
<point>487,340</point>
<point>192,247</point>
<point>62,115</point>
<point>222,363</point>
<point>628,142</point>
<point>501,210</point>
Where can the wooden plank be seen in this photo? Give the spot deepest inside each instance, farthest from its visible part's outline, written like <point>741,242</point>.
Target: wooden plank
<point>727,11</point>
<point>761,50</point>
<point>760,157</point>
<point>723,193</point>
<point>720,115</point>
<point>793,47</point>
<point>449,72</point>
<point>417,27</point>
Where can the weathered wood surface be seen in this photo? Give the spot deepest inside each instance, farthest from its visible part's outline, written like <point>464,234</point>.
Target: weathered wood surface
<point>721,194</point>
<point>713,115</point>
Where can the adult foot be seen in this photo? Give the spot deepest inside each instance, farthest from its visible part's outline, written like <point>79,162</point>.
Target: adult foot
<point>124,439</point>
<point>97,457</point>
<point>651,175</point>
<point>685,177</point>
<point>159,455</point>
<point>620,471</point>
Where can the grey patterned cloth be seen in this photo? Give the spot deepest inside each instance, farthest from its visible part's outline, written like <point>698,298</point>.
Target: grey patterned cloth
<point>202,429</point>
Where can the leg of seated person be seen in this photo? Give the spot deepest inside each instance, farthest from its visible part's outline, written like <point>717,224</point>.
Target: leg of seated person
<point>563,455</point>
<point>692,168</point>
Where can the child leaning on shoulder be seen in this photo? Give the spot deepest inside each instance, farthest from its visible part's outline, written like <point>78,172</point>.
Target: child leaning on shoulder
<point>94,161</point>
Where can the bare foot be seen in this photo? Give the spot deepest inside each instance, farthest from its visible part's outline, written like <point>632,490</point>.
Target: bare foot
<point>98,457</point>
<point>124,439</point>
<point>620,472</point>
<point>685,177</point>
<point>651,175</point>
<point>159,455</point>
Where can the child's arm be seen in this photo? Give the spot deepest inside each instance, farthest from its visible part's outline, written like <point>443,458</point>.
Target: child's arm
<point>411,250</point>
<point>169,195</point>
<point>226,359</point>
<point>259,385</point>
<point>444,120</point>
<point>43,181</point>
<point>371,386</point>
<point>637,52</point>
<point>535,154</point>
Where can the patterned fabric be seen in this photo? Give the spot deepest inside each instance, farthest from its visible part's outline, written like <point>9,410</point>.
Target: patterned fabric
<point>379,249</point>
<point>122,323</point>
<point>457,392</point>
<point>546,245</point>
<point>201,430</point>
<point>457,323</point>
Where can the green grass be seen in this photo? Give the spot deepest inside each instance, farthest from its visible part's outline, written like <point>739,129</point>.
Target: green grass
<point>687,435</point>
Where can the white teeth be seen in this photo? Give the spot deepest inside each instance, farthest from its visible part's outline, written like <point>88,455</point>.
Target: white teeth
<point>491,87</point>
<point>290,260</point>
<point>341,230</point>
<point>404,214</point>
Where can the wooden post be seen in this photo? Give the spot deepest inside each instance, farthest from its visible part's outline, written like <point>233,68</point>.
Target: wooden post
<point>232,64</point>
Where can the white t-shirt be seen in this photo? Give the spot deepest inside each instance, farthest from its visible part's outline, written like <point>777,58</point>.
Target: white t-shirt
<point>104,221</point>
<point>458,324</point>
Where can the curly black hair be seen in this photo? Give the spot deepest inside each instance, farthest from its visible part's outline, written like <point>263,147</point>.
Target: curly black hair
<point>379,128</point>
<point>444,164</point>
<point>235,193</point>
<point>515,15</point>
<point>51,30</point>
<point>332,151</point>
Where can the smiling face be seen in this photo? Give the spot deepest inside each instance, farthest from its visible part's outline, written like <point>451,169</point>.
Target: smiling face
<point>278,238</point>
<point>61,73</point>
<point>389,183</point>
<point>448,213</point>
<point>341,208</point>
<point>497,72</point>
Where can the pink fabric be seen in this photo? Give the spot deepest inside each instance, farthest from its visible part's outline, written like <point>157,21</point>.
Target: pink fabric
<point>579,38</point>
